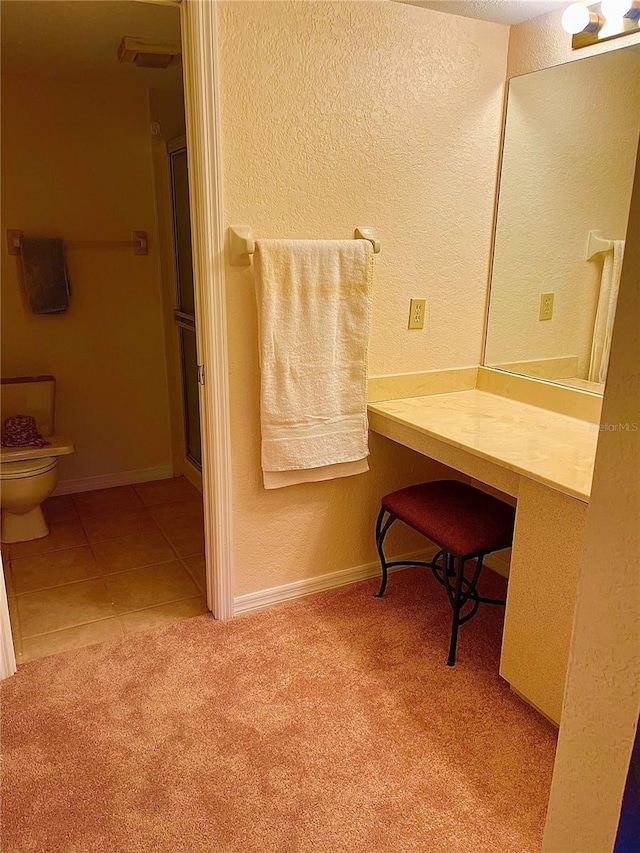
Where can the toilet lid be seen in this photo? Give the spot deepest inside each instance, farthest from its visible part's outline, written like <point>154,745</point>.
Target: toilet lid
<point>26,468</point>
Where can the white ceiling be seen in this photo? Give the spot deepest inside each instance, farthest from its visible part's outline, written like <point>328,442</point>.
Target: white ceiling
<point>499,11</point>
<point>67,38</point>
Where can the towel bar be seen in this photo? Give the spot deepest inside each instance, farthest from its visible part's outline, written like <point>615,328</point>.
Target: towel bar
<point>242,245</point>
<point>367,234</point>
<point>597,243</point>
<point>139,243</point>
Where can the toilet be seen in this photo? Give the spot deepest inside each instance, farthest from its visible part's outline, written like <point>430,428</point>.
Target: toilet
<point>28,475</point>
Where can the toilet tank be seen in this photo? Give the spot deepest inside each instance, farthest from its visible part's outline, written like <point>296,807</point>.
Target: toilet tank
<point>29,395</point>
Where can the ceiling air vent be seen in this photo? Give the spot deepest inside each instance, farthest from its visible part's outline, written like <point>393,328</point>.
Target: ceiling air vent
<point>146,53</point>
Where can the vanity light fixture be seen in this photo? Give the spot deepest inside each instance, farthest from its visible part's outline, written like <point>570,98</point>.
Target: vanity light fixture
<point>612,9</point>
<point>599,22</point>
<point>578,18</point>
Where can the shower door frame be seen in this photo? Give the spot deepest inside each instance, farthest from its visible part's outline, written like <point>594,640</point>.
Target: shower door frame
<point>183,321</point>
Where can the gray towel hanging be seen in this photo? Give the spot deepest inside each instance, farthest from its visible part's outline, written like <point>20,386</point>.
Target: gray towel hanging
<point>45,275</point>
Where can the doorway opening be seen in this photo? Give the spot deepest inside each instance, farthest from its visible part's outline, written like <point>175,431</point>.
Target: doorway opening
<point>92,150</point>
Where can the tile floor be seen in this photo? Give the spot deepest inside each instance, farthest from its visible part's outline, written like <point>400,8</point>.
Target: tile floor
<point>115,562</point>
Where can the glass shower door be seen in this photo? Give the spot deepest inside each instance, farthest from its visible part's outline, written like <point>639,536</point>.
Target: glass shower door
<point>184,313</point>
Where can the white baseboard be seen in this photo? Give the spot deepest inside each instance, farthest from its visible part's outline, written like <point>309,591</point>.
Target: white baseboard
<point>321,583</point>
<point>108,481</point>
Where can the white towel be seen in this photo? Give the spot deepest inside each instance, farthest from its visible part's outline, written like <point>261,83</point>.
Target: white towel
<point>606,312</point>
<point>314,313</point>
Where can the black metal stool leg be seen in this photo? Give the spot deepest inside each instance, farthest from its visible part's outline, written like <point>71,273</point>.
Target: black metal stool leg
<point>382,528</point>
<point>456,604</point>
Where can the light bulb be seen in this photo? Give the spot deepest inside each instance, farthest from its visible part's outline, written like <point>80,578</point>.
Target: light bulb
<point>575,18</point>
<point>615,8</point>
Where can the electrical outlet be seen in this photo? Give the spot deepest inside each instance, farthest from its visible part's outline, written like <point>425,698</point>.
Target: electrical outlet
<point>546,306</point>
<point>416,313</point>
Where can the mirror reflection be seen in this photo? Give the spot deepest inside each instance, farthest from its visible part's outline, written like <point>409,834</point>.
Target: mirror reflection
<point>570,145</point>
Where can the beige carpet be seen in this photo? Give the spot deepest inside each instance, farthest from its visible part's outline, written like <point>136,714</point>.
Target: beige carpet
<point>326,724</point>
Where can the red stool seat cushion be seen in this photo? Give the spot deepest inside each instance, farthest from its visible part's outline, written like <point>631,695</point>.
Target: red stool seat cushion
<point>460,519</point>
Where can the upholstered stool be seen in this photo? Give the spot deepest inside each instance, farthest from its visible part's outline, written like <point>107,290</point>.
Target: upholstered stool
<point>465,523</point>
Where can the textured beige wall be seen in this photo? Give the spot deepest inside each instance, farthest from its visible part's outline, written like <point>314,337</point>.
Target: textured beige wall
<point>343,114</point>
<point>602,701</point>
<point>569,156</point>
<point>541,43</point>
<point>76,163</point>
<point>336,115</point>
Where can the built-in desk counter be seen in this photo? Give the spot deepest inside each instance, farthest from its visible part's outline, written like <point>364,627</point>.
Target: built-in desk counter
<point>541,445</point>
<point>544,460</point>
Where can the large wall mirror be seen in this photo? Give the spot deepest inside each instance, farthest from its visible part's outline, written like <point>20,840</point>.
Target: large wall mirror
<point>570,146</point>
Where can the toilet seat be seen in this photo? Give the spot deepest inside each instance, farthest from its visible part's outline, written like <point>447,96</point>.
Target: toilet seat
<point>24,468</point>
<point>58,445</point>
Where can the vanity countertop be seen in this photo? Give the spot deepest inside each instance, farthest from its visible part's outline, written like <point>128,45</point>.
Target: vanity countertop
<point>553,449</point>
